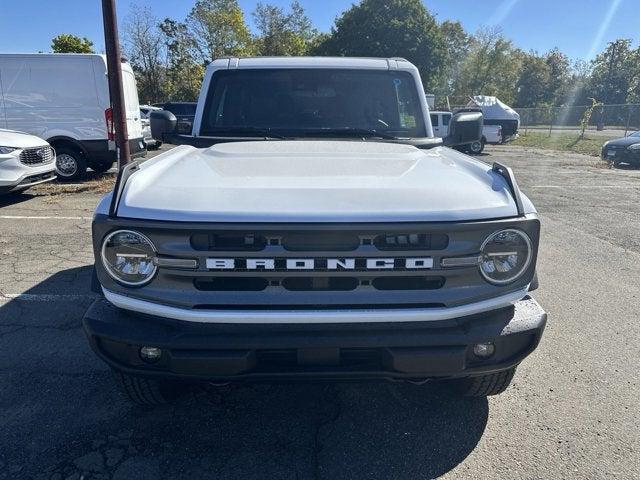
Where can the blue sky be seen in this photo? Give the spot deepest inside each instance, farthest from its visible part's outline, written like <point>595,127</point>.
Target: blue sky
<point>580,28</point>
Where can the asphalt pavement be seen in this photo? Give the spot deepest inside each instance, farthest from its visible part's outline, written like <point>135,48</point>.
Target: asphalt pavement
<point>572,411</point>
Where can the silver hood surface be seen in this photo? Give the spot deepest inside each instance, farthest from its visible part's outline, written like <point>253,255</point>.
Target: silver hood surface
<point>316,181</point>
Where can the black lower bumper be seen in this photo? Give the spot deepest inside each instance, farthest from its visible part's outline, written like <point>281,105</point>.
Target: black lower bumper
<point>28,182</point>
<point>621,156</point>
<point>224,352</point>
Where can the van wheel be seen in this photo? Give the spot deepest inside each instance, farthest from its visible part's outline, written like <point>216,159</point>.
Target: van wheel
<point>101,167</point>
<point>70,164</point>
<point>476,148</point>
<point>484,385</point>
<point>145,391</point>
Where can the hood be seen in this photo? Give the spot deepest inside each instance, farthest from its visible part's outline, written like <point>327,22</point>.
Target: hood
<point>623,142</point>
<point>315,181</point>
<point>11,138</point>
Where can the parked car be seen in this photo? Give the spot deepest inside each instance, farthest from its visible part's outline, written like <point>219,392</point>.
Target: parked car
<point>322,234</point>
<point>491,134</point>
<point>64,99</point>
<point>496,112</point>
<point>185,113</point>
<point>150,142</point>
<point>623,150</point>
<point>25,160</point>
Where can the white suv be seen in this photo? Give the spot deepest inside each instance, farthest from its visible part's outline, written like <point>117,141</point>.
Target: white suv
<point>25,160</point>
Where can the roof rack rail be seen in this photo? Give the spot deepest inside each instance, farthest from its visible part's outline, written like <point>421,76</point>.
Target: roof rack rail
<point>123,175</point>
<point>506,173</point>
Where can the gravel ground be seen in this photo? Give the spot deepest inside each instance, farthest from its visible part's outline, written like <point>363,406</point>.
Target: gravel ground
<point>572,411</point>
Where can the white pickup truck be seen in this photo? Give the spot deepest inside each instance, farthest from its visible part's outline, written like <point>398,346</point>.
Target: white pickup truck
<point>491,134</point>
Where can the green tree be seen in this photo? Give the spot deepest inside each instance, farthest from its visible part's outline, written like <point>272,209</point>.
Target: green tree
<point>614,73</point>
<point>559,76</point>
<point>491,68</point>
<point>390,28</point>
<point>146,51</point>
<point>183,73</point>
<point>458,43</point>
<point>68,43</point>
<point>634,87</point>
<point>533,85</point>
<point>218,29</point>
<point>282,33</point>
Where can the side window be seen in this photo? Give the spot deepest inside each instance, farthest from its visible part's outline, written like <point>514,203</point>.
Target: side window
<point>434,120</point>
<point>446,118</point>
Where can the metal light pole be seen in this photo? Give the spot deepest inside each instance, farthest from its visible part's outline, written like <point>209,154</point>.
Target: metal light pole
<point>116,92</point>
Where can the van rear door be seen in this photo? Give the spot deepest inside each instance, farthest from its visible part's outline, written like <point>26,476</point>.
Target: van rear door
<point>132,105</point>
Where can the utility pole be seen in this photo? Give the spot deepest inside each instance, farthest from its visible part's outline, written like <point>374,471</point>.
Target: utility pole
<point>116,92</point>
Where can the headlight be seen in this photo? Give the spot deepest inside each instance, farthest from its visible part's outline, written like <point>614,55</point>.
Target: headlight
<point>6,150</point>
<point>504,256</point>
<point>635,146</point>
<point>128,257</point>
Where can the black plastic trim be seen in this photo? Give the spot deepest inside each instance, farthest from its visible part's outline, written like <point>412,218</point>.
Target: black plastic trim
<point>121,181</point>
<point>418,346</point>
<point>510,178</point>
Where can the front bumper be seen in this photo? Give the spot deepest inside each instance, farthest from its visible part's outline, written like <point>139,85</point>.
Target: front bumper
<point>15,176</point>
<point>621,155</point>
<point>237,352</point>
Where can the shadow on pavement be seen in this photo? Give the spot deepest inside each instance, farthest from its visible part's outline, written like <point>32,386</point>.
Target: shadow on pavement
<point>14,198</point>
<point>62,415</point>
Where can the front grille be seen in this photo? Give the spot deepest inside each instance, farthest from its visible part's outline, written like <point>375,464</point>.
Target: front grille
<point>238,241</point>
<point>231,284</point>
<point>411,241</point>
<point>37,178</point>
<point>310,284</point>
<point>408,283</point>
<point>316,241</point>
<point>318,266</point>
<point>37,155</point>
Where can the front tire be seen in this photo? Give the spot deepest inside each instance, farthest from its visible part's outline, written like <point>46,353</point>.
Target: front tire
<point>484,385</point>
<point>70,164</point>
<point>101,167</point>
<point>476,148</point>
<point>144,391</point>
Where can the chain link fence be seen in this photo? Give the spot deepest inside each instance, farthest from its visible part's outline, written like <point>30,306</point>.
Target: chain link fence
<point>609,119</point>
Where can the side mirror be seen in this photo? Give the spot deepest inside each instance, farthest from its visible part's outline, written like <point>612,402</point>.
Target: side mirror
<point>465,127</point>
<point>163,124</point>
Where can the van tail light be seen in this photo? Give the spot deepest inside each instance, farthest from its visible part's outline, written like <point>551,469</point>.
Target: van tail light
<point>108,118</point>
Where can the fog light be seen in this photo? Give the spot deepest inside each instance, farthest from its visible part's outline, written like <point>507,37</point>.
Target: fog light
<point>150,354</point>
<point>484,350</point>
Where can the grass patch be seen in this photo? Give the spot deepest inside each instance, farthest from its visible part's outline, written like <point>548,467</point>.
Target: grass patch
<point>564,142</point>
<point>94,183</point>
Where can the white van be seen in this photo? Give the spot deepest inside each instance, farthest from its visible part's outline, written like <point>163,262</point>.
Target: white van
<point>64,99</point>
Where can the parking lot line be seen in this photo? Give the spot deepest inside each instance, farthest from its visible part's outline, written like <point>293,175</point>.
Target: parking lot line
<point>585,186</point>
<point>43,297</point>
<point>23,217</point>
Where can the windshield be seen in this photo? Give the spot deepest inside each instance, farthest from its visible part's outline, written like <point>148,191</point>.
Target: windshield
<point>312,101</point>
<point>181,108</point>
<point>635,134</point>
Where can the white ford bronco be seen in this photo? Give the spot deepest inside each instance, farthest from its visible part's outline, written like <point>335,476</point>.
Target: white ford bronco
<point>312,226</point>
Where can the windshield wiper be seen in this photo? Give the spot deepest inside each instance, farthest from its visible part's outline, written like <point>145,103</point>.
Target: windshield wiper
<point>358,132</point>
<point>252,131</point>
